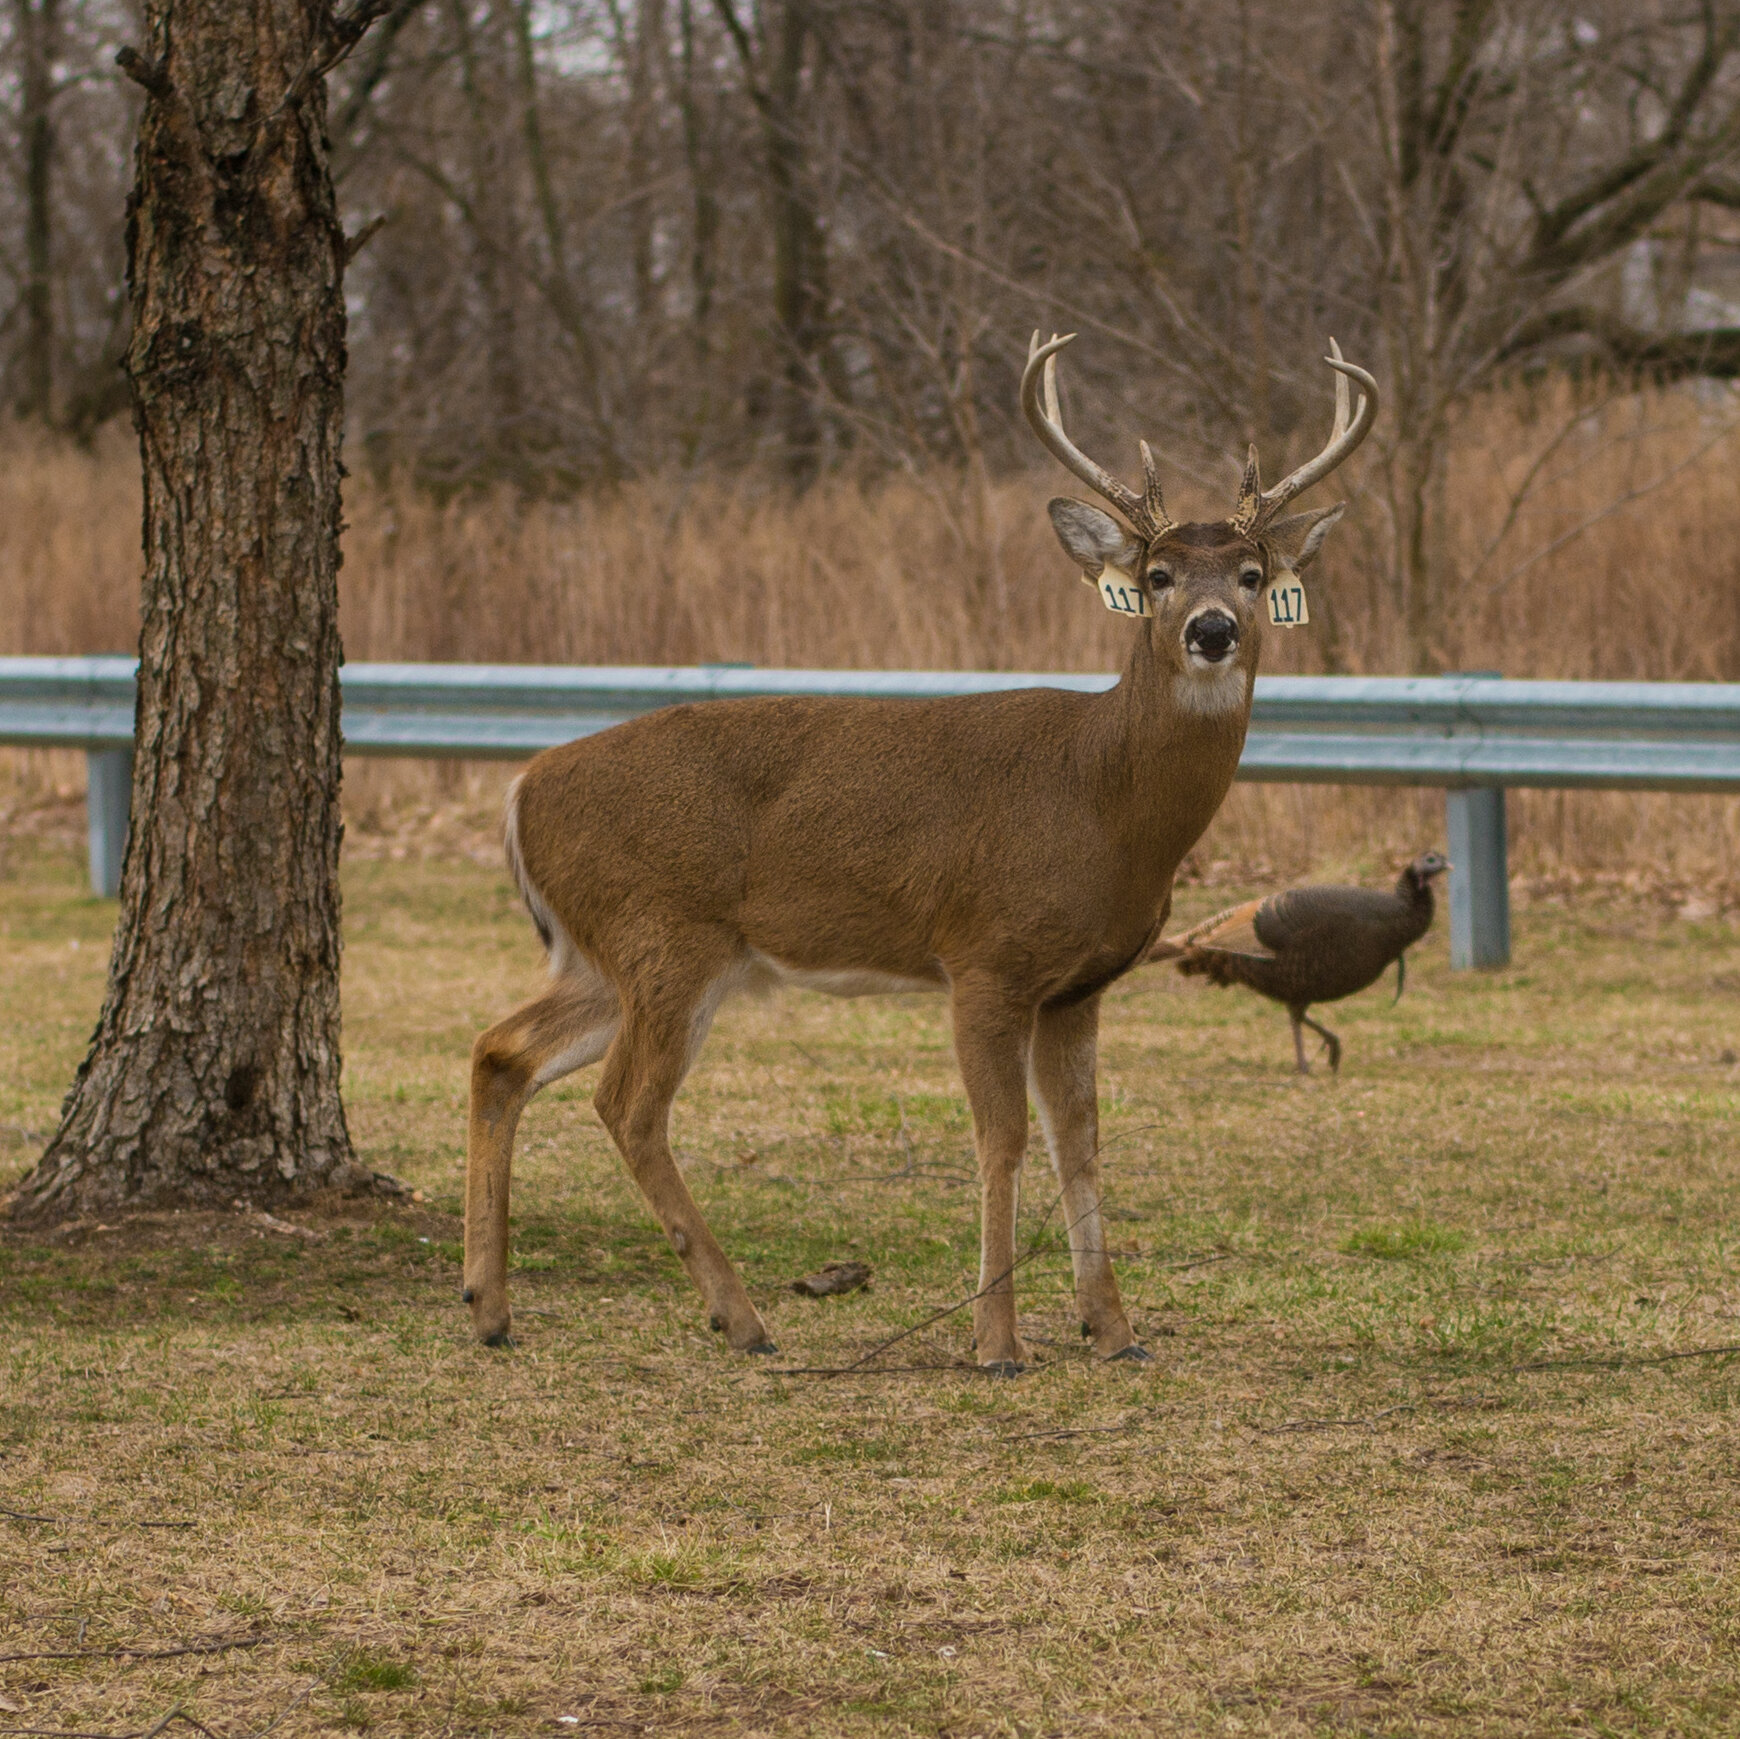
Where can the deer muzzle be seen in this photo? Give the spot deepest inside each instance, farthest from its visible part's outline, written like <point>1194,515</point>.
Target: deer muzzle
<point>1211,635</point>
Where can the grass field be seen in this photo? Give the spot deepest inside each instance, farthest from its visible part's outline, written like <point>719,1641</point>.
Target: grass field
<point>1423,1452</point>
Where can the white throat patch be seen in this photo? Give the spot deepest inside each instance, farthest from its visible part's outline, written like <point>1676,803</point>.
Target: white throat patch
<point>1208,689</point>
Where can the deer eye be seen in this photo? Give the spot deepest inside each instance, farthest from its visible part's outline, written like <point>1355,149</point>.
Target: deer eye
<point>1250,578</point>
<point>1159,578</point>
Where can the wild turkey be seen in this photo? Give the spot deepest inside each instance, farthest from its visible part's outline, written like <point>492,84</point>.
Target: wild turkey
<point>1309,945</point>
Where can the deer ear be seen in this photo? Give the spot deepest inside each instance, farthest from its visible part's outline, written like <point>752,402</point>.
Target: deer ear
<point>1296,540</point>
<point>1091,539</point>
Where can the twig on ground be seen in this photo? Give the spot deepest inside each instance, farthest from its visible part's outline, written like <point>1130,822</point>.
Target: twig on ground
<point>289,1708</point>
<point>935,1171</point>
<point>1034,1249</point>
<point>1202,1261</point>
<point>1365,1423</point>
<point>214,1646</point>
<point>1623,1362</point>
<point>62,1733</point>
<point>858,1366</point>
<point>180,1714</point>
<point>874,1371</point>
<point>85,1522</point>
<point>759,1516</point>
<point>176,1714</point>
<point>1076,1431</point>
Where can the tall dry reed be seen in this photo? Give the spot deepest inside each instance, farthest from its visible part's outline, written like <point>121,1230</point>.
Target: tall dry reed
<point>1585,537</point>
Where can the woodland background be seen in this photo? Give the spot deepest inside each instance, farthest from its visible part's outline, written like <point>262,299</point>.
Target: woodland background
<point>689,330</point>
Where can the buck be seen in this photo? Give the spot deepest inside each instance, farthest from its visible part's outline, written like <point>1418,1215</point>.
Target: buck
<point>1014,850</point>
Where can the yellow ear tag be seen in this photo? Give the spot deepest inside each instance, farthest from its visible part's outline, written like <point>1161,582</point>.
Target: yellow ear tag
<point>1120,594</point>
<point>1287,606</point>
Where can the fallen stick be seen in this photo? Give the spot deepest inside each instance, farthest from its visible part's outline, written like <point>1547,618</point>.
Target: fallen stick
<point>147,1654</point>
<point>1623,1360</point>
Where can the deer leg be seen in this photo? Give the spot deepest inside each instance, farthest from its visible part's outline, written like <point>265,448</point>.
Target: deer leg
<point>665,1019</point>
<point>1061,1074</point>
<point>992,1040</point>
<point>1297,1017</point>
<point>1330,1041</point>
<point>566,1028</point>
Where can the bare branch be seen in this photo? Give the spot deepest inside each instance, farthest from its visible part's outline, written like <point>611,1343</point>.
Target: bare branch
<point>1618,505</point>
<point>1660,356</point>
<point>1659,170</point>
<point>147,74</point>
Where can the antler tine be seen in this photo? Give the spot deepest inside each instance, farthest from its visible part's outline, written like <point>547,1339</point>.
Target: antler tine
<point>1250,504</point>
<point>1039,376</point>
<point>1343,397</point>
<point>1152,499</point>
<point>1343,439</point>
<point>1052,409</point>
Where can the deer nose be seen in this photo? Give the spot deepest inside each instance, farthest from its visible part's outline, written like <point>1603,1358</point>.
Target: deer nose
<point>1213,633</point>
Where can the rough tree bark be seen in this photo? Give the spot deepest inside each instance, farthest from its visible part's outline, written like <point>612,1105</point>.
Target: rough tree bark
<point>214,1069</point>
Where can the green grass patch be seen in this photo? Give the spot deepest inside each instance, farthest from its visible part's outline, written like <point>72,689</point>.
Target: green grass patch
<point>1405,1243</point>
<point>368,1672</point>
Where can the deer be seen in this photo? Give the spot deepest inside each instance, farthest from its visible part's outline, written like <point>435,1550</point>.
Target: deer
<point>1014,851</point>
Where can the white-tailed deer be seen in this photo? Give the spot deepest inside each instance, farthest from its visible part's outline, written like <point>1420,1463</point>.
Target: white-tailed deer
<point>1014,850</point>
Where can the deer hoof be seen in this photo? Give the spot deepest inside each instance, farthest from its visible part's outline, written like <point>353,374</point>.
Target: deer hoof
<point>1002,1367</point>
<point>492,1323</point>
<point>1133,1354</point>
<point>762,1349</point>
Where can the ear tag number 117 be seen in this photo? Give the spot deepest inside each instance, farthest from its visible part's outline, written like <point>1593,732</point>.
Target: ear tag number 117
<point>1287,606</point>
<point>1120,593</point>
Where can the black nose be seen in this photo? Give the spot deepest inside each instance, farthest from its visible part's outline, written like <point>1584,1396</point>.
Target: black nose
<point>1214,634</point>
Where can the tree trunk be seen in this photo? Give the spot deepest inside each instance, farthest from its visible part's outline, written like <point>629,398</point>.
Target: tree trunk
<point>559,290</point>
<point>1420,468</point>
<point>799,254</point>
<point>495,249</point>
<point>38,35</point>
<point>703,236</point>
<point>214,1069</point>
<point>643,52</point>
<point>775,74</point>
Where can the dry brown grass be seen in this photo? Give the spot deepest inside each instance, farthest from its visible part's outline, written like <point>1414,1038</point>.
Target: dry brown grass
<point>1386,1478</point>
<point>923,572</point>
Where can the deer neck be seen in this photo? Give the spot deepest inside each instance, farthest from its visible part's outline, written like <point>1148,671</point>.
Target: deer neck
<point>1167,747</point>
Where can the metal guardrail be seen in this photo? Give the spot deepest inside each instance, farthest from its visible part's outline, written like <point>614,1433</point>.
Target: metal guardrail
<point>1474,736</point>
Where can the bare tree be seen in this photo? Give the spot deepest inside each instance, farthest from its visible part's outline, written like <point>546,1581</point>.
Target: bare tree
<point>1520,155</point>
<point>214,1070</point>
<point>625,235</point>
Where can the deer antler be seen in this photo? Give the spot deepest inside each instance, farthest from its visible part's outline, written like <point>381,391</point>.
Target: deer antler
<point>1255,509</point>
<point>1146,512</point>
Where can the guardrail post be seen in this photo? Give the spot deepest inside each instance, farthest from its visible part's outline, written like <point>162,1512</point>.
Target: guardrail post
<point>108,795</point>
<point>1479,877</point>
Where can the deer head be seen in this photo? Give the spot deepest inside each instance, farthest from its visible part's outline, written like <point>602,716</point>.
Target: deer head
<point>1203,583</point>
